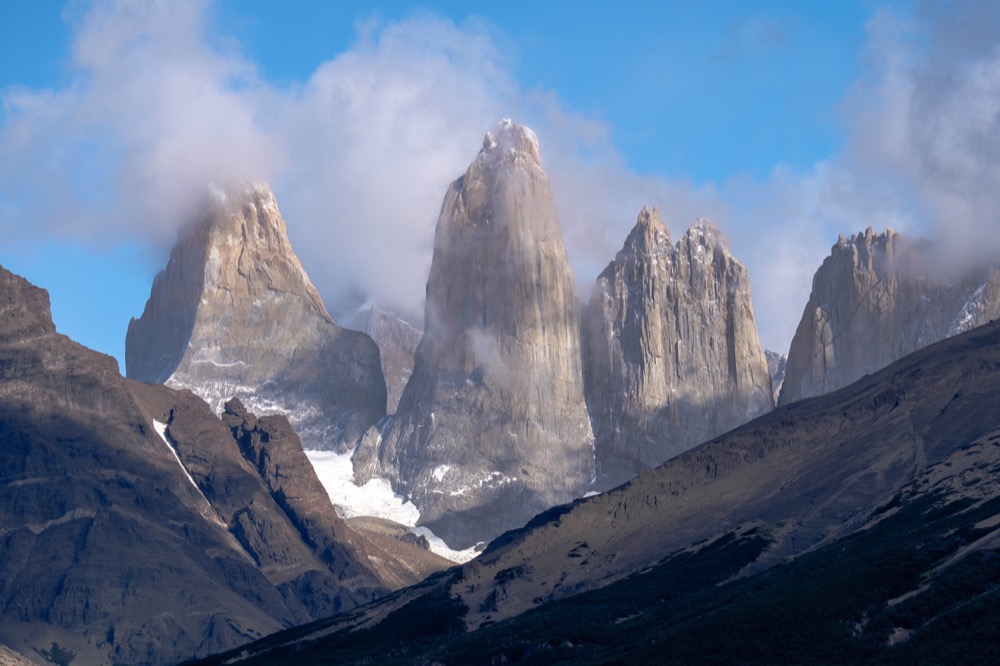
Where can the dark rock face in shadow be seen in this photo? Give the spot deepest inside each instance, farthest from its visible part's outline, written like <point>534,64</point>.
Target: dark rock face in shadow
<point>397,337</point>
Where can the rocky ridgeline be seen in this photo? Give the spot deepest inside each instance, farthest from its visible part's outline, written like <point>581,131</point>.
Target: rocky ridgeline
<point>672,353</point>
<point>234,314</point>
<point>492,426</point>
<point>875,299</point>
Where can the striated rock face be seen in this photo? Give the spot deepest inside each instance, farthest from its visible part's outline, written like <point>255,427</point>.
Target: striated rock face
<point>875,300</point>
<point>672,354</point>
<point>397,338</point>
<point>492,426</point>
<point>235,315</point>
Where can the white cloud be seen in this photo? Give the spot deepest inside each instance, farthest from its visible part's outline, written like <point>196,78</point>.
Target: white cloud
<point>375,136</point>
<point>152,114</point>
<point>926,123</point>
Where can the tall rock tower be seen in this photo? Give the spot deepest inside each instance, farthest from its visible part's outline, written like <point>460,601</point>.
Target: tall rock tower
<point>235,315</point>
<point>671,348</point>
<point>492,426</point>
<point>875,299</point>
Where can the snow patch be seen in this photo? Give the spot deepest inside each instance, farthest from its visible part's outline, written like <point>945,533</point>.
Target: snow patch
<point>439,472</point>
<point>217,364</point>
<point>161,430</point>
<point>972,309</point>
<point>375,498</point>
<point>439,547</point>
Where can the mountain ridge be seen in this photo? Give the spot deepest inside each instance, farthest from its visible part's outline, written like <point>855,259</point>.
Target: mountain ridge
<point>876,298</point>
<point>133,529</point>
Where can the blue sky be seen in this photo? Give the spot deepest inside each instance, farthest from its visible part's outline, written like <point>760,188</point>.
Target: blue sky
<point>786,123</point>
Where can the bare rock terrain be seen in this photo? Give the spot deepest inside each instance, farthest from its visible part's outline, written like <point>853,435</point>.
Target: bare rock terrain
<point>881,500</point>
<point>397,338</point>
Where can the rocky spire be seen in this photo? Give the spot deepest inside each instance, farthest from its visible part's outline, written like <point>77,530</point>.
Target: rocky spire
<point>671,348</point>
<point>875,299</point>
<point>235,315</point>
<point>492,426</point>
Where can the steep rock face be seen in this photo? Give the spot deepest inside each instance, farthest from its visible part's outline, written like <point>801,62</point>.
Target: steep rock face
<point>235,315</point>
<point>873,301</point>
<point>672,354</point>
<point>397,338</point>
<point>133,529</point>
<point>492,426</point>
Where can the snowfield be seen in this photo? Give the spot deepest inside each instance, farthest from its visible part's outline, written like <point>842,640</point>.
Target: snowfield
<point>375,498</point>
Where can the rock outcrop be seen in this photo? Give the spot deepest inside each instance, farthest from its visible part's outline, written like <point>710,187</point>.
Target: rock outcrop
<point>397,338</point>
<point>672,353</point>
<point>875,299</point>
<point>135,528</point>
<point>235,315</point>
<point>492,426</point>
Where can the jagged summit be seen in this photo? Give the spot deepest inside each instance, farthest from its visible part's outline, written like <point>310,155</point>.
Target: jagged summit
<point>672,356</point>
<point>234,314</point>
<point>867,237</point>
<point>649,231</point>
